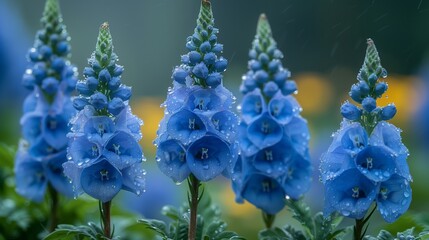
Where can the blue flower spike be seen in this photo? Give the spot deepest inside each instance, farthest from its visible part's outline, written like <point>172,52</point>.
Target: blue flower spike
<point>47,110</point>
<point>197,135</point>
<point>104,154</point>
<point>197,138</point>
<point>274,162</point>
<point>366,161</point>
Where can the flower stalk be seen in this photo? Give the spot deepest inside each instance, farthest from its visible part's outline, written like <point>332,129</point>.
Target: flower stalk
<point>194,198</point>
<point>105,218</point>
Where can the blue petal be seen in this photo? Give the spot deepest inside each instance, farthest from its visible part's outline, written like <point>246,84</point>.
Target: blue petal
<point>225,123</point>
<point>203,100</point>
<point>394,198</point>
<point>126,121</point>
<point>55,128</point>
<point>354,138</point>
<point>283,108</point>
<point>82,151</point>
<point>265,193</point>
<point>350,194</point>
<point>171,160</point>
<point>55,173</point>
<point>176,98</point>
<point>335,162</point>
<point>386,134</point>
<point>122,150</point>
<point>73,172</point>
<point>246,146</point>
<point>31,126</point>
<point>99,128</point>
<point>264,131</point>
<point>272,160</point>
<point>297,179</point>
<point>30,177</point>
<point>133,178</point>
<point>40,148</point>
<point>101,181</point>
<point>208,157</point>
<point>186,126</point>
<point>376,163</point>
<point>252,106</point>
<point>298,134</point>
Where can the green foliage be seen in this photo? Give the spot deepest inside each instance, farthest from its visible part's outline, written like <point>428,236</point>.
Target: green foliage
<point>209,224</point>
<point>405,235</point>
<point>70,232</point>
<point>314,227</point>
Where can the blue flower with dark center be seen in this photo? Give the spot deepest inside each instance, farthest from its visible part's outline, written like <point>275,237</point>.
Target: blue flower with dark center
<point>367,154</point>
<point>264,131</point>
<point>253,105</point>
<point>394,198</point>
<point>198,134</point>
<point>264,192</point>
<point>101,180</point>
<point>104,154</point>
<point>350,193</point>
<point>186,126</point>
<point>274,162</point>
<point>47,110</point>
<point>171,158</point>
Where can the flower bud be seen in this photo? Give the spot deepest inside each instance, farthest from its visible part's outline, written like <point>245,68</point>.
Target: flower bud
<point>369,104</point>
<point>350,111</point>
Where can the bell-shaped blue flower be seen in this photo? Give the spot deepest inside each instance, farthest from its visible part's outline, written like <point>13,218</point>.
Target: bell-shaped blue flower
<point>264,131</point>
<point>54,173</point>
<point>394,198</point>
<point>350,194</point>
<point>207,157</point>
<point>171,160</point>
<point>186,126</point>
<point>283,108</point>
<point>297,179</point>
<point>376,163</point>
<point>274,159</point>
<point>203,100</point>
<point>253,105</point>
<point>121,150</point>
<point>225,124</point>
<point>101,180</point>
<point>31,180</point>
<point>264,192</point>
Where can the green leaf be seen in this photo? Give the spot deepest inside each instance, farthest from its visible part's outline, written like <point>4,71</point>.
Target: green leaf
<point>157,226</point>
<point>301,212</point>
<point>170,212</point>
<point>71,232</point>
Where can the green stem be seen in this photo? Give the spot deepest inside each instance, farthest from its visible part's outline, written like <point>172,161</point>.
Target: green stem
<point>54,208</point>
<point>268,219</point>
<point>105,218</point>
<point>359,229</point>
<point>194,185</point>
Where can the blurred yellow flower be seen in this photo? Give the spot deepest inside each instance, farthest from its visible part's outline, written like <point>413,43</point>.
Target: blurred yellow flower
<point>148,109</point>
<point>315,92</point>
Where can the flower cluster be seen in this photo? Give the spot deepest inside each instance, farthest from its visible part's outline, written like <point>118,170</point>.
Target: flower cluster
<point>275,162</point>
<point>104,154</point>
<point>47,110</point>
<point>366,161</point>
<point>198,132</point>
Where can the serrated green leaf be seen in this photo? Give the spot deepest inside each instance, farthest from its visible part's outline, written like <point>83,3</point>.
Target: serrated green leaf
<point>226,235</point>
<point>273,234</point>
<point>301,212</point>
<point>385,235</point>
<point>71,232</point>
<point>155,225</point>
<point>171,212</point>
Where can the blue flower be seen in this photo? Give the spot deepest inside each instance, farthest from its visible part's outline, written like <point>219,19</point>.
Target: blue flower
<point>47,110</point>
<point>350,193</point>
<point>104,154</point>
<point>264,192</point>
<point>394,198</point>
<point>274,162</point>
<point>198,134</point>
<point>367,155</point>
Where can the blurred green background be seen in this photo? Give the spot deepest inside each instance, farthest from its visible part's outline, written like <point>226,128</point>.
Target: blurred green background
<point>324,45</point>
